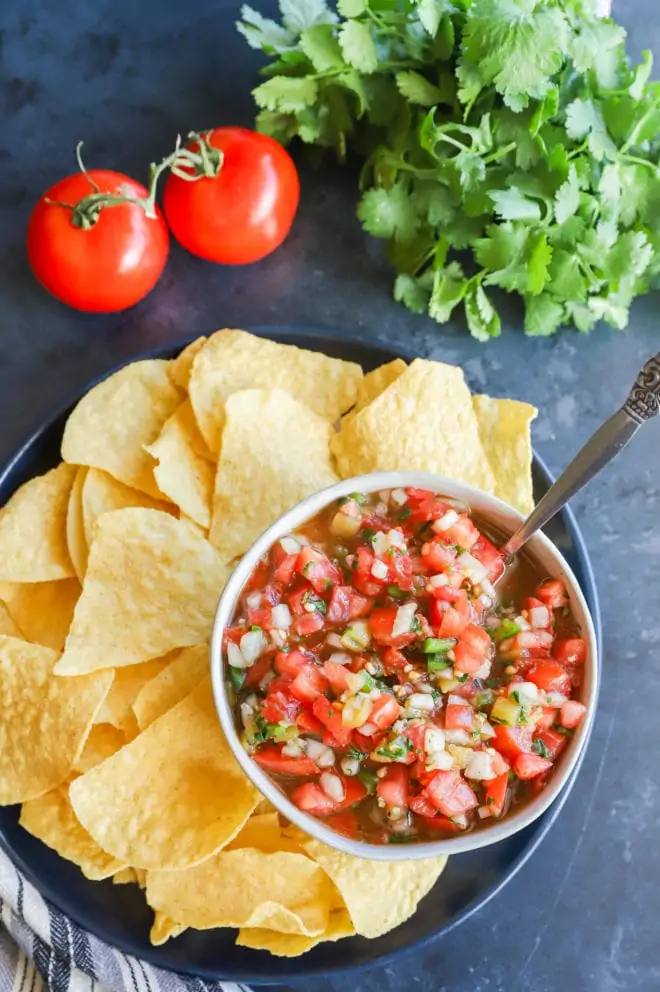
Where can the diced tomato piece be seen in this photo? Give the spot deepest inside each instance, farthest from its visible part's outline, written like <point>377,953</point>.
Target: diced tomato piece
<point>530,644</point>
<point>296,600</point>
<point>354,792</point>
<point>458,717</point>
<point>284,565</point>
<point>345,822</point>
<point>477,638</point>
<point>437,556</point>
<point>550,676</point>
<point>512,741</point>
<point>529,602</point>
<point>552,592</point>
<point>423,806</point>
<point>261,617</point>
<point>321,573</point>
<point>393,661</point>
<point>443,825</point>
<point>547,718</point>
<point>447,593</point>
<point>489,556</point>
<point>256,672</point>
<point>425,506</point>
<point>571,713</point>
<point>337,675</point>
<point>272,594</point>
<point>570,650</point>
<point>308,684</point>
<point>357,664</point>
<point>450,793</point>
<point>416,734</point>
<point>384,711</point>
<point>400,571</point>
<point>553,742</point>
<point>467,660</point>
<point>530,765</point>
<point>308,624</point>
<point>308,723</point>
<point>381,622</point>
<point>367,744</point>
<point>331,719</point>
<point>393,788</point>
<point>339,607</point>
<point>291,662</point>
<point>467,689</point>
<point>363,580</point>
<point>500,764</point>
<point>495,793</point>
<point>232,635</point>
<point>311,798</point>
<point>279,705</point>
<point>463,533</point>
<point>272,760</point>
<point>451,624</point>
<point>331,741</point>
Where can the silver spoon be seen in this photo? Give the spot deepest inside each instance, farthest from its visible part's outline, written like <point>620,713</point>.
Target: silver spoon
<point>642,404</point>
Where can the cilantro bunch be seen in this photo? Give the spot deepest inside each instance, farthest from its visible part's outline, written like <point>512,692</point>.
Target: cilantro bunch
<point>506,143</point>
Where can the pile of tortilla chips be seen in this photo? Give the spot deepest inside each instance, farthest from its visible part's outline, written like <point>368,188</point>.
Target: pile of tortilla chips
<point>111,566</point>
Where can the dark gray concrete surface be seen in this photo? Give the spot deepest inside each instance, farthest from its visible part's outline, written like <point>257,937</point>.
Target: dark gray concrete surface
<point>126,76</point>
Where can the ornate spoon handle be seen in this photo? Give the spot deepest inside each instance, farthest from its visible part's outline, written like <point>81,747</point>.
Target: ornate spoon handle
<point>642,404</point>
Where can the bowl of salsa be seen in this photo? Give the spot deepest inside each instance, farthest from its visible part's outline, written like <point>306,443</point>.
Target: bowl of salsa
<point>388,684</point>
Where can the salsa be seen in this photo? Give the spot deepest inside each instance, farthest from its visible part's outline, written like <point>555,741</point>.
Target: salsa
<point>385,684</point>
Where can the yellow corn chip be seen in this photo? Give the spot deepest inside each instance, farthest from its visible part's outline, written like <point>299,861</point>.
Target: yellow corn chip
<point>45,719</point>
<point>235,360</point>
<point>33,544</point>
<point>274,453</point>
<point>379,895</point>
<point>42,611</point>
<point>51,819</point>
<point>117,708</point>
<point>184,471</point>
<point>292,945</point>
<point>424,420</point>
<point>261,831</point>
<point>103,741</point>
<point>375,383</point>
<point>152,585</point>
<point>103,494</point>
<point>246,888</point>
<point>185,671</point>
<point>115,420</point>
<point>163,929</point>
<point>126,876</point>
<point>180,367</point>
<point>7,626</point>
<point>75,529</point>
<point>173,796</point>
<point>504,428</point>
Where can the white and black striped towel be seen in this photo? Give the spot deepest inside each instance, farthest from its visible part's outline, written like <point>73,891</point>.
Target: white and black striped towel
<point>40,948</point>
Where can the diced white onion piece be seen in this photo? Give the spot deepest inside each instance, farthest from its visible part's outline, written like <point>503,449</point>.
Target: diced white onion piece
<point>235,656</point>
<point>333,640</point>
<point>379,542</point>
<point>484,812</point>
<point>399,497</point>
<point>439,580</point>
<point>420,701</point>
<point>290,545</point>
<point>460,737</point>
<point>487,730</point>
<point>309,607</point>
<point>301,539</point>
<point>545,637</point>
<point>539,616</point>
<point>403,619</point>
<point>395,539</point>
<point>480,767</point>
<point>454,700</point>
<point>350,766</point>
<point>253,644</point>
<point>446,675</point>
<point>253,601</point>
<point>333,786</point>
<point>440,761</point>
<point>488,587</point>
<point>434,739</point>
<point>267,679</point>
<point>281,617</point>
<point>356,637</point>
<point>278,637</point>
<point>522,623</point>
<point>292,750</point>
<point>356,710</point>
<point>252,700</point>
<point>461,754</point>
<point>446,521</point>
<point>379,569</point>
<point>340,657</point>
<point>369,729</point>
<point>461,820</point>
<point>384,495</point>
<point>484,671</point>
<point>555,699</point>
<point>471,567</point>
<point>246,712</point>
<point>322,755</point>
<point>528,693</point>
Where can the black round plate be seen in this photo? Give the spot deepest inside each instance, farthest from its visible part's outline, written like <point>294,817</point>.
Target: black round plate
<point>119,914</point>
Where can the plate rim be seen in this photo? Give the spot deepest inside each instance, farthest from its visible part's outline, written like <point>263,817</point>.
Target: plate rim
<point>540,827</point>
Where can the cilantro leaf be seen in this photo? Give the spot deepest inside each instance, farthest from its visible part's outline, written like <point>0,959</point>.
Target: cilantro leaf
<point>567,198</point>
<point>351,8</point>
<point>387,213</point>
<point>540,256</point>
<point>642,75</point>
<point>585,120</point>
<point>511,204</point>
<point>482,319</point>
<point>262,33</point>
<point>431,13</point>
<point>357,46</point>
<point>414,293</point>
<point>596,46</point>
<point>449,288</point>
<point>299,15</point>
<point>321,47</point>
<point>543,315</point>
<point>416,89</point>
<point>286,94</point>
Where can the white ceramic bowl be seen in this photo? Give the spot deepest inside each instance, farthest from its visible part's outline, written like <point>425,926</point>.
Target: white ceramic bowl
<point>504,520</point>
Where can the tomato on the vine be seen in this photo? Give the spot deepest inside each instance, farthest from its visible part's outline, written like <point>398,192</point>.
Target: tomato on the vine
<point>93,245</point>
<point>241,210</point>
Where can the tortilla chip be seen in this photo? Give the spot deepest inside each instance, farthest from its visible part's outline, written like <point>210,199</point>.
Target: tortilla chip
<point>52,820</point>
<point>504,428</point>
<point>180,367</point>
<point>103,741</point>
<point>379,895</point>
<point>42,611</point>
<point>178,679</point>
<point>185,471</point>
<point>375,383</point>
<point>274,453</point>
<point>33,544</point>
<point>152,585</point>
<point>117,709</point>
<point>45,719</point>
<point>164,929</point>
<point>235,360</point>
<point>7,626</point>
<point>103,494</point>
<point>126,876</point>
<point>262,832</point>
<point>75,529</point>
<point>173,796</point>
<point>113,422</point>
<point>423,421</point>
<point>281,891</point>
<point>291,945</point>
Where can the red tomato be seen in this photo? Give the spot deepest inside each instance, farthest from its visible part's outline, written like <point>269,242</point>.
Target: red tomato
<point>284,565</point>
<point>272,759</point>
<point>450,793</point>
<point>110,266</point>
<point>384,711</point>
<point>346,604</point>
<point>261,617</point>
<point>393,661</point>
<point>463,533</point>
<point>570,650</point>
<point>550,676</point>
<point>337,675</point>
<point>279,704</point>
<point>291,662</point>
<point>381,621</point>
<point>320,572</point>
<point>308,684</point>
<point>256,672</point>
<point>437,556</point>
<point>363,580</point>
<point>401,571</point>
<point>486,552</point>
<point>495,794</point>
<point>424,506</point>
<point>450,622</point>
<point>443,824</point>
<point>345,822</point>
<point>530,765</point>
<point>553,741</point>
<point>308,624</point>
<point>571,713</point>
<point>246,211</point>
<point>354,791</point>
<point>311,798</point>
<point>467,660</point>
<point>512,741</point>
<point>458,717</point>
<point>547,718</point>
<point>331,720</point>
<point>552,592</point>
<point>393,788</point>
<point>416,734</point>
<point>477,638</point>
<point>423,806</point>
<point>309,724</point>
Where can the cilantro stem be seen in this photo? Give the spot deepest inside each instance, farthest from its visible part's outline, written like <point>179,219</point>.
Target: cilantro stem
<point>641,161</point>
<point>634,134</point>
<point>500,153</point>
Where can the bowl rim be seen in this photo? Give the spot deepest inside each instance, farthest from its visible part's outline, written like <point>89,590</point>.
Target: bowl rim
<point>315,828</point>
